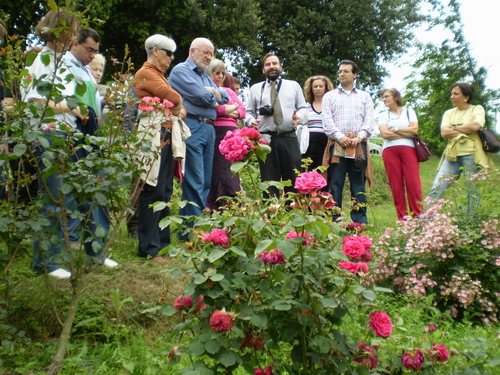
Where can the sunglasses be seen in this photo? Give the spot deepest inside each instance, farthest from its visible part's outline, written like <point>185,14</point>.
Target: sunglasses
<point>167,51</point>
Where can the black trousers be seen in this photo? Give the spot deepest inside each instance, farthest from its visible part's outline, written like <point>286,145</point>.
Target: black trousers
<point>281,162</point>
<point>151,239</point>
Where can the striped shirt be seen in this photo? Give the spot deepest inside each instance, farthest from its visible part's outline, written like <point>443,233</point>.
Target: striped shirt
<point>314,120</point>
<point>345,112</point>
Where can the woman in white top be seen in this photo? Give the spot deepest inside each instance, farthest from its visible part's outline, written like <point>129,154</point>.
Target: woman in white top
<point>314,90</point>
<point>397,126</point>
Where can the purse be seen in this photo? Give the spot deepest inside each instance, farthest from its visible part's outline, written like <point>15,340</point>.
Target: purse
<point>421,148</point>
<point>489,140</point>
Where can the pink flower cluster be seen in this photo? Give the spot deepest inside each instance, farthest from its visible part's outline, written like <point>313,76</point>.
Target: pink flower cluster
<point>238,143</point>
<point>366,357</point>
<point>273,256</point>
<point>309,182</point>
<point>155,104</point>
<point>267,371</point>
<point>294,234</point>
<point>221,321</point>
<point>186,303</point>
<point>380,323</point>
<point>218,237</point>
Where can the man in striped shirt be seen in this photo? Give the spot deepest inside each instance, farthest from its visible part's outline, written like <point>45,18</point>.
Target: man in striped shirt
<point>348,122</point>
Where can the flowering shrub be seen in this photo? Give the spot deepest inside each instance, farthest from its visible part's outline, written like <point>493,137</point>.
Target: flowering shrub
<point>445,256</point>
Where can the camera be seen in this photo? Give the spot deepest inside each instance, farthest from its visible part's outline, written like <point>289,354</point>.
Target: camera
<point>266,110</point>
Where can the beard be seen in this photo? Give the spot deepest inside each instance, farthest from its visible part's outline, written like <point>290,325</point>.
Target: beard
<point>273,75</point>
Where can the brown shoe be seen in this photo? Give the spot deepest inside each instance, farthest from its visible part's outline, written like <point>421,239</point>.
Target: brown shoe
<point>159,260</point>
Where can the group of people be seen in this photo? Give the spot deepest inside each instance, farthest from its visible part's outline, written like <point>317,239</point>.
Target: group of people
<point>206,106</point>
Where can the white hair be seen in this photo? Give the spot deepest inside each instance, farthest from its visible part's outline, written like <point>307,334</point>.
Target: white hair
<point>159,41</point>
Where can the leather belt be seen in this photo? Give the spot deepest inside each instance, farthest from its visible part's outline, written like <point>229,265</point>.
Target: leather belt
<point>290,133</point>
<point>206,120</point>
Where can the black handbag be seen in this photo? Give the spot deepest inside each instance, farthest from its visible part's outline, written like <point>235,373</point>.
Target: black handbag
<point>489,140</point>
<point>421,148</point>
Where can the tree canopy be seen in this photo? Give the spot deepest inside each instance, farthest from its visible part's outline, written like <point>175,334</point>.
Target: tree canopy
<point>310,36</point>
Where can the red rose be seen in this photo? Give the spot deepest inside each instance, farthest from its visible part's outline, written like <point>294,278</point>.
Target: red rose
<point>413,360</point>
<point>221,321</point>
<point>186,303</point>
<point>380,323</point>
<point>439,353</point>
<point>353,248</point>
<point>355,268</point>
<point>218,237</point>
<point>366,356</point>
<point>267,371</point>
<point>273,256</point>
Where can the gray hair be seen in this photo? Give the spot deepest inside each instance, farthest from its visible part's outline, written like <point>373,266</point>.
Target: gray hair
<point>214,65</point>
<point>99,59</point>
<point>159,41</point>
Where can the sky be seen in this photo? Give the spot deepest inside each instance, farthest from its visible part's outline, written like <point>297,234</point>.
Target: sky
<point>480,21</point>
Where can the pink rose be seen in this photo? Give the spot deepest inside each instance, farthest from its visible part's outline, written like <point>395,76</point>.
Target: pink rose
<point>355,268</point>
<point>432,327</point>
<point>234,148</point>
<point>367,256</point>
<point>186,303</point>
<point>146,108</point>
<point>218,237</point>
<point>308,182</point>
<point>353,248</point>
<point>294,234</point>
<point>167,103</point>
<point>366,357</point>
<point>221,321</point>
<point>380,323</point>
<point>413,360</point>
<point>367,243</point>
<point>439,353</point>
<point>273,256</point>
<point>251,133</point>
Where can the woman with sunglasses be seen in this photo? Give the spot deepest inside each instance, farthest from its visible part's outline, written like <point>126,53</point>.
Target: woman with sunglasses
<point>150,82</point>
<point>314,90</point>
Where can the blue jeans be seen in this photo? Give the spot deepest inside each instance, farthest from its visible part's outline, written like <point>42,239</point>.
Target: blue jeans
<point>450,171</point>
<point>47,250</point>
<point>198,166</point>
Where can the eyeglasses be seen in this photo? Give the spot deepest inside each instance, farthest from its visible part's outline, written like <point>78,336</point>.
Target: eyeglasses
<point>91,50</point>
<point>206,53</point>
<point>167,51</point>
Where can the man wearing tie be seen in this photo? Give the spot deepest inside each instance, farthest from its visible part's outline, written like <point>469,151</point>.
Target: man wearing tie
<point>276,106</point>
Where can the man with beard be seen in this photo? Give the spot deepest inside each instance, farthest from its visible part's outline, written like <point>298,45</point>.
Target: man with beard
<point>276,106</point>
<point>200,97</point>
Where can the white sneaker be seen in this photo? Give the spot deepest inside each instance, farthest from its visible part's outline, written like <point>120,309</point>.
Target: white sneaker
<point>60,274</point>
<point>110,263</point>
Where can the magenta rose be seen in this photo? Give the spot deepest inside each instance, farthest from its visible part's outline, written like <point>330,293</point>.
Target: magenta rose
<point>267,371</point>
<point>308,182</point>
<point>273,256</point>
<point>234,148</point>
<point>439,353</point>
<point>366,357</point>
<point>353,248</point>
<point>294,234</point>
<point>221,321</point>
<point>413,360</point>
<point>355,268</point>
<point>380,323</point>
<point>251,133</point>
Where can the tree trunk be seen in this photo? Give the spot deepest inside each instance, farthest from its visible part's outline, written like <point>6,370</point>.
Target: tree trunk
<point>56,366</point>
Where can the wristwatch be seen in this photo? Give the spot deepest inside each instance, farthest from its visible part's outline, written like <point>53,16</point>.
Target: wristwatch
<point>396,130</point>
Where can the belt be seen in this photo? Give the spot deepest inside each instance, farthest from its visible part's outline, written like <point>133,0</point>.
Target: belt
<point>206,120</point>
<point>290,133</point>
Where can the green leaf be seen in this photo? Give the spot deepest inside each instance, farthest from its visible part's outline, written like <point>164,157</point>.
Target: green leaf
<point>152,309</point>
<point>71,102</point>
<point>238,166</point>
<point>159,206</point>
<point>44,88</point>
<point>263,245</point>
<point>329,303</point>
<point>196,348</point>
<point>199,278</point>
<point>81,88</point>
<point>216,255</point>
<point>238,251</point>
<point>369,294</point>
<point>298,221</point>
<point>259,320</point>
<point>45,59</point>
<point>216,277</point>
<point>494,362</point>
<point>227,359</point>
<point>19,149</point>
<point>212,347</point>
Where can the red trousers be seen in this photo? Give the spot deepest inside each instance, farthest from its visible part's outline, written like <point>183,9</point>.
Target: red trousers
<point>403,171</point>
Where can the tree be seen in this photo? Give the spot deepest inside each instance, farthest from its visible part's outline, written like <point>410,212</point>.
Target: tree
<point>435,70</point>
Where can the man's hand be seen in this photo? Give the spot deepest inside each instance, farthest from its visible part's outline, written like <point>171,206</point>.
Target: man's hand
<point>295,118</point>
<point>345,141</point>
<point>255,123</point>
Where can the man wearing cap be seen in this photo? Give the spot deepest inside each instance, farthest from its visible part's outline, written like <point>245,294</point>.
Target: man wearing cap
<point>200,98</point>
<point>276,106</point>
